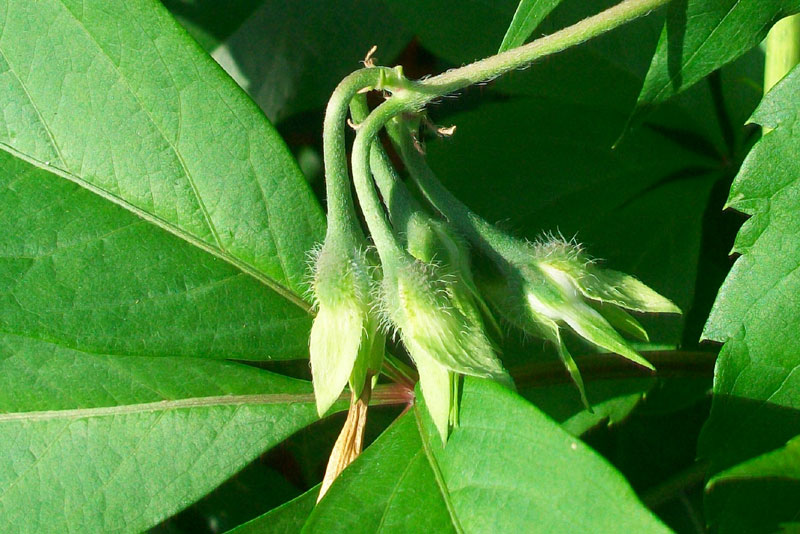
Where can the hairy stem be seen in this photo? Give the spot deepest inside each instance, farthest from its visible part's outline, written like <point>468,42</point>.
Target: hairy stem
<point>480,233</point>
<point>342,222</point>
<point>389,248</point>
<point>486,69</point>
<point>397,199</point>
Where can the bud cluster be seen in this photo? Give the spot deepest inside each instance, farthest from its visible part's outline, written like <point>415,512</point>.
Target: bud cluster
<point>422,287</point>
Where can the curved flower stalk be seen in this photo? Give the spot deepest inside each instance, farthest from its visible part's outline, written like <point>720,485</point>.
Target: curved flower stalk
<point>428,295</point>
<point>546,286</point>
<point>345,343</point>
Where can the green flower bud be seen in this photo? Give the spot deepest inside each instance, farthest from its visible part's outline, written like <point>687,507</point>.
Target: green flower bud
<point>550,284</point>
<point>431,241</point>
<point>440,337</point>
<point>345,343</point>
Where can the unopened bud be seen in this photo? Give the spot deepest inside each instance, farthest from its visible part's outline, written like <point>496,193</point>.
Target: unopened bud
<point>440,338</point>
<point>345,343</point>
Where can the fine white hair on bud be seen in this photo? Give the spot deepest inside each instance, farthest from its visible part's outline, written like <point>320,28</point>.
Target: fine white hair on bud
<point>552,284</point>
<point>344,344</point>
<point>439,336</point>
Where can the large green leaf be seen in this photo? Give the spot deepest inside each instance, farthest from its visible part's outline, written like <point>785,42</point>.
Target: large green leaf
<point>506,468</point>
<point>289,56</point>
<point>116,97</point>
<point>780,463</point>
<point>527,17</point>
<point>756,387</point>
<point>95,443</point>
<point>702,35</point>
<point>85,273</point>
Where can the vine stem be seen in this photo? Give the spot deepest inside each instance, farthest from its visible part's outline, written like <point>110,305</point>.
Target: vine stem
<point>412,96</point>
<point>493,66</point>
<point>669,364</point>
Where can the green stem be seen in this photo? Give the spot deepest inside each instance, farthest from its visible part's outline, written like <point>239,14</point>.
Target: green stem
<point>669,364</point>
<point>342,221</point>
<point>783,50</point>
<point>413,96</point>
<point>480,233</point>
<point>399,202</point>
<point>486,69</point>
<point>389,248</point>
<point>398,371</point>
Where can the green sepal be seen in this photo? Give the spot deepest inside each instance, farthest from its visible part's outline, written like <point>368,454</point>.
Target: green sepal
<point>591,326</point>
<point>554,334</point>
<point>334,345</point>
<point>620,289</point>
<point>341,329</point>
<point>370,356</point>
<point>622,320</point>
<point>430,324</point>
<point>435,382</point>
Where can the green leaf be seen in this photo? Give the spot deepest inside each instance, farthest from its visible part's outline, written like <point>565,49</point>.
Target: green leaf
<point>289,56</point>
<point>527,17</point>
<point>612,402</point>
<point>780,463</point>
<point>700,36</point>
<point>756,386</point>
<point>96,443</point>
<point>505,468</point>
<point>210,22</point>
<point>114,96</point>
<point>84,273</point>
<point>288,518</point>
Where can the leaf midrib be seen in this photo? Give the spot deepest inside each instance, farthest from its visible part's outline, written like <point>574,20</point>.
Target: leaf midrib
<point>161,406</point>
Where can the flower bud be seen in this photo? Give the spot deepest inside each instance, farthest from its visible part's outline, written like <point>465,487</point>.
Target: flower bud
<point>440,337</point>
<point>345,342</point>
<point>547,285</point>
<point>431,241</point>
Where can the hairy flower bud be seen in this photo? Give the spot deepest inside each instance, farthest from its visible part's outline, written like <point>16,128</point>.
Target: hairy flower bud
<point>432,241</point>
<point>551,284</point>
<point>345,342</point>
<point>440,337</point>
